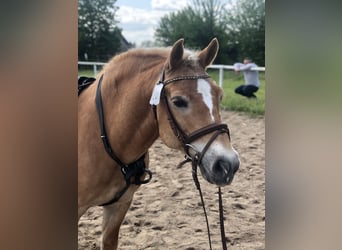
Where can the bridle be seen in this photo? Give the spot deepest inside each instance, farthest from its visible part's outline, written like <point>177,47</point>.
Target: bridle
<point>187,139</point>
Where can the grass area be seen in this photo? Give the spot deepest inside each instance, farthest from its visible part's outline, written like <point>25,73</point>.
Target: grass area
<point>86,70</point>
<point>235,102</point>
<point>231,101</point>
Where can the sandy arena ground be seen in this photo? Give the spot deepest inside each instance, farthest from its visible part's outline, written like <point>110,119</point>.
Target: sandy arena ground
<point>167,213</point>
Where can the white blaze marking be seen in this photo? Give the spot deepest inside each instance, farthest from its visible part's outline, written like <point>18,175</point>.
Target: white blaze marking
<point>203,87</point>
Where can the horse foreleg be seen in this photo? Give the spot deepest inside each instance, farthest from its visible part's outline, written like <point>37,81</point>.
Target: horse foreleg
<point>113,216</point>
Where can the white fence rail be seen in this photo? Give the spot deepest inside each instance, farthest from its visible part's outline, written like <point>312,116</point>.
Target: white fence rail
<point>220,67</point>
<point>95,64</point>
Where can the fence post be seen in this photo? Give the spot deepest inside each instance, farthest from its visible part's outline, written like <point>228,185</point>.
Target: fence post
<point>221,77</point>
<point>95,69</point>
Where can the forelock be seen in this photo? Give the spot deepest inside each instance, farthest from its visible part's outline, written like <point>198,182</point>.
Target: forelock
<point>191,57</point>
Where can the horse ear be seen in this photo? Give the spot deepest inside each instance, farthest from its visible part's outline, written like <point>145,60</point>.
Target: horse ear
<point>176,54</point>
<point>208,55</point>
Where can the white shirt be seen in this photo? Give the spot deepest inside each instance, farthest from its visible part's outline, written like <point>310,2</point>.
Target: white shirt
<point>251,76</point>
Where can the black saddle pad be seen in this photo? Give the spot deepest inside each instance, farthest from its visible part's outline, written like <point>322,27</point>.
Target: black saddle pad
<point>84,82</point>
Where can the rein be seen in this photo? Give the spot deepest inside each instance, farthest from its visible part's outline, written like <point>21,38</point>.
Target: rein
<point>186,141</point>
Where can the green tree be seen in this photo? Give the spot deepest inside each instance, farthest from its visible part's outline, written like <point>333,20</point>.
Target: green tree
<point>239,27</point>
<point>197,24</point>
<point>245,25</point>
<point>99,36</point>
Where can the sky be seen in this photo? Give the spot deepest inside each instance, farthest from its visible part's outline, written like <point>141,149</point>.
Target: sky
<point>139,18</point>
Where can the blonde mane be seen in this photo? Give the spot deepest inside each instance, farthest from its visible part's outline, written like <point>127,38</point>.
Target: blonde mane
<point>140,60</point>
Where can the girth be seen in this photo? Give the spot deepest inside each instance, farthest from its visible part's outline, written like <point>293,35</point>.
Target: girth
<point>135,170</point>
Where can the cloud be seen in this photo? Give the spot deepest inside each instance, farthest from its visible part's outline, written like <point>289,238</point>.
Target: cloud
<point>138,24</point>
<point>127,14</point>
<point>168,4</point>
<point>139,36</point>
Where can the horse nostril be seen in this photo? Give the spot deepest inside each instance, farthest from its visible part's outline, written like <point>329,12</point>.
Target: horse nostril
<point>224,167</point>
<point>223,170</point>
<point>221,167</point>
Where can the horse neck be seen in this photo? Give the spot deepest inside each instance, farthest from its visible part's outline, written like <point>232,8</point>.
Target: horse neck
<point>129,118</point>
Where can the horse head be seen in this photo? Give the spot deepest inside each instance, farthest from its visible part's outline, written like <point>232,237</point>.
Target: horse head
<point>191,107</point>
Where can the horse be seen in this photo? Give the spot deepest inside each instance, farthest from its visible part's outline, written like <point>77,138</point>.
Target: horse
<point>141,95</point>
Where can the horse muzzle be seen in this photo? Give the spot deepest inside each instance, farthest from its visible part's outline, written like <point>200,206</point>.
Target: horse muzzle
<point>220,170</point>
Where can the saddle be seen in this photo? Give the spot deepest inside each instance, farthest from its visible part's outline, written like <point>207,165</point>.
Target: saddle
<point>84,82</point>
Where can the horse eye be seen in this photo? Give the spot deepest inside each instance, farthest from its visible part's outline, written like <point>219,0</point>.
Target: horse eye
<point>180,103</point>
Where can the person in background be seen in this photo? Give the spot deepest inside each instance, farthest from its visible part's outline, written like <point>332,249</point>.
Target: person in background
<point>251,78</point>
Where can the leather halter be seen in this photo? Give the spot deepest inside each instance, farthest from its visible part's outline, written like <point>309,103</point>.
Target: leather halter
<point>187,139</point>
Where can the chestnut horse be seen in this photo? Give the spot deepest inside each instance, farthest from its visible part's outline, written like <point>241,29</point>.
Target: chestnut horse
<point>184,113</point>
